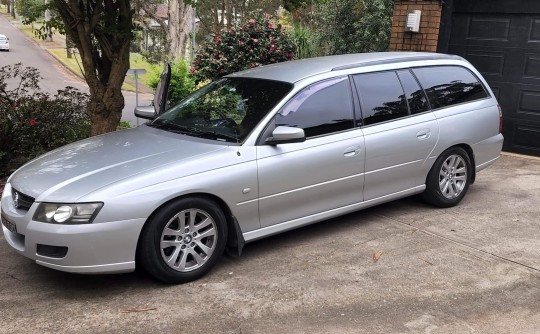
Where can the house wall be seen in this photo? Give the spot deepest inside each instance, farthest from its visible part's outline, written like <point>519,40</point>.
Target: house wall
<point>424,40</point>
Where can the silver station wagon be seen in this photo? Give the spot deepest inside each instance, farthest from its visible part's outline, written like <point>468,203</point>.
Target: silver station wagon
<point>253,154</point>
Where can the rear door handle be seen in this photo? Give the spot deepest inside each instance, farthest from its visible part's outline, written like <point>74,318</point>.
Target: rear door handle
<point>423,134</point>
<point>352,151</point>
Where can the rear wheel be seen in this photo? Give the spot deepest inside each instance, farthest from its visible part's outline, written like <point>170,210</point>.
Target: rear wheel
<point>183,241</point>
<point>449,178</point>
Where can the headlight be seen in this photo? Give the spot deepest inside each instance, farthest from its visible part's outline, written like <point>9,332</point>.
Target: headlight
<point>57,213</point>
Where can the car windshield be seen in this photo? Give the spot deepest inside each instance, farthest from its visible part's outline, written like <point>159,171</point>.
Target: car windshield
<point>226,110</point>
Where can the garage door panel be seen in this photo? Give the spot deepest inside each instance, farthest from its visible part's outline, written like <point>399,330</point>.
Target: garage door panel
<point>534,31</point>
<point>501,38</point>
<point>522,137</point>
<point>529,103</point>
<point>531,67</point>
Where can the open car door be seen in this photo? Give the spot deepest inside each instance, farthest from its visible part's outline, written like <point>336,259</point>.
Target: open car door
<point>160,97</point>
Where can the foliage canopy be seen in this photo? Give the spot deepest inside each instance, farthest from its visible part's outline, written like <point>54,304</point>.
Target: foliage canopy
<point>252,42</point>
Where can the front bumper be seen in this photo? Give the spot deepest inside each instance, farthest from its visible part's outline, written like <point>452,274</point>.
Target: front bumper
<point>91,248</point>
<point>4,47</point>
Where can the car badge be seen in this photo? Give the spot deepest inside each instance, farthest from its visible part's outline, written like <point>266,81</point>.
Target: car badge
<point>16,200</point>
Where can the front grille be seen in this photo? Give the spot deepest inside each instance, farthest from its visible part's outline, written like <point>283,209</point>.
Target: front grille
<point>21,201</point>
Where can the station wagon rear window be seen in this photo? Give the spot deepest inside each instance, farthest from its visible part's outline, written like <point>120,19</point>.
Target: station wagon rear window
<point>449,85</point>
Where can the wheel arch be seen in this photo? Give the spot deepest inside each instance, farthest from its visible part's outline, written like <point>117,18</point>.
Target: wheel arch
<point>235,240</point>
<point>470,153</point>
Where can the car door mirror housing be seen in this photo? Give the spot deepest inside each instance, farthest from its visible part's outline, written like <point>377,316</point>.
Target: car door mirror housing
<point>286,134</point>
<point>146,112</point>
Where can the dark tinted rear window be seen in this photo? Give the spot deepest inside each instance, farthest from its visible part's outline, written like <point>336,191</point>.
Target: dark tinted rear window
<point>416,98</point>
<point>449,85</point>
<point>381,97</point>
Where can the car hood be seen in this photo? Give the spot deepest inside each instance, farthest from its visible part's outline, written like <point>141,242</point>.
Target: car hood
<point>70,172</point>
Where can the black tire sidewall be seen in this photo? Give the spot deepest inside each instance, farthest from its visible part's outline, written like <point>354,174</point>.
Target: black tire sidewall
<point>433,194</point>
<point>149,246</point>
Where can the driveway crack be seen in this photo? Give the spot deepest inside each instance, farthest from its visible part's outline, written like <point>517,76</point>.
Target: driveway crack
<point>456,242</point>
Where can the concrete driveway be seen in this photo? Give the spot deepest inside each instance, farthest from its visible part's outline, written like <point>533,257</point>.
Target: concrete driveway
<point>403,267</point>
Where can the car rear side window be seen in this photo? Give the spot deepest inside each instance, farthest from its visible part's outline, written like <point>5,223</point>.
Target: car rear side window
<point>449,85</point>
<point>322,108</point>
<point>381,97</point>
<point>416,98</point>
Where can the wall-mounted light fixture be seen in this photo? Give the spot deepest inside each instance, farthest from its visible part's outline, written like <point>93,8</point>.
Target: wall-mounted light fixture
<point>413,21</point>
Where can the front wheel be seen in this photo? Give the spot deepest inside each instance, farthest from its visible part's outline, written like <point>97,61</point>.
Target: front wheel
<point>183,240</point>
<point>449,178</point>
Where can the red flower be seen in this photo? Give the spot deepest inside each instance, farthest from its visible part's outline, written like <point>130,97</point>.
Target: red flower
<point>252,21</point>
<point>255,40</point>
<point>270,26</point>
<point>272,47</point>
<point>193,70</point>
<point>272,60</point>
<point>32,122</point>
<point>241,43</point>
<point>217,39</point>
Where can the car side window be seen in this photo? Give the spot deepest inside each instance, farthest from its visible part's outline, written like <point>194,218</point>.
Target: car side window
<point>381,97</point>
<point>416,98</point>
<point>320,109</point>
<point>449,85</point>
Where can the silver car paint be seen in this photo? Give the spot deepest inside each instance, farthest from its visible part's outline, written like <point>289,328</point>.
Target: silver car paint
<point>281,184</point>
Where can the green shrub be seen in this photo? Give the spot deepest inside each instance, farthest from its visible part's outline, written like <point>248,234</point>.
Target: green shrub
<point>252,42</point>
<point>304,42</point>
<point>182,83</point>
<point>349,26</point>
<point>33,122</point>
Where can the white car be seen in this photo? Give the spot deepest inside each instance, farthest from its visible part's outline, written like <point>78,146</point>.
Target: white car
<point>4,43</point>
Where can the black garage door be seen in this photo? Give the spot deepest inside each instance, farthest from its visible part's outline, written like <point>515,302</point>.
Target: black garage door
<point>501,38</point>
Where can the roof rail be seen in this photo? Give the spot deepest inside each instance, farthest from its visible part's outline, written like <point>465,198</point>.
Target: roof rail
<point>435,56</point>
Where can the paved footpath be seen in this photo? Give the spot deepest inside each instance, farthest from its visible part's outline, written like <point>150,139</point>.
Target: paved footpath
<point>54,74</point>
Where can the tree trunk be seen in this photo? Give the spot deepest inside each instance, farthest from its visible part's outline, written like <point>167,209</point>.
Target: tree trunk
<point>104,54</point>
<point>179,26</point>
<point>105,108</point>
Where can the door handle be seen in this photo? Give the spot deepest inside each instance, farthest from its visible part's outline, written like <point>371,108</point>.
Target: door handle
<point>423,134</point>
<point>352,151</point>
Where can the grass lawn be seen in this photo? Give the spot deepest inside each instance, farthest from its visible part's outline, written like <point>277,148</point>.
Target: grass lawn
<point>137,61</point>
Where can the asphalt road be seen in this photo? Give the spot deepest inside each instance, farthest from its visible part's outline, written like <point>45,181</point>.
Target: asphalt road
<point>54,75</point>
<point>402,267</point>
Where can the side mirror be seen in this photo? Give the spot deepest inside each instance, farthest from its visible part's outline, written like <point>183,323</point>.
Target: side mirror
<point>285,135</point>
<point>146,112</point>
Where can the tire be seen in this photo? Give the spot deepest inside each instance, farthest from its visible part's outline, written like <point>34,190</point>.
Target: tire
<point>449,178</point>
<point>183,240</point>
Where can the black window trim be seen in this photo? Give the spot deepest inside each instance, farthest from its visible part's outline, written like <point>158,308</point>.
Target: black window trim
<point>421,88</point>
<point>400,84</point>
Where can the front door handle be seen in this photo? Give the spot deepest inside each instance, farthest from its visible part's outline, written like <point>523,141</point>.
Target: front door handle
<point>352,151</point>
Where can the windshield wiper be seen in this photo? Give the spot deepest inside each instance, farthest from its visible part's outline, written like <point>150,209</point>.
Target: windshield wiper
<point>217,136</point>
<point>173,127</point>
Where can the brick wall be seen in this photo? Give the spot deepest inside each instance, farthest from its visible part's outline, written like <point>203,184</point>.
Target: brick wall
<point>426,38</point>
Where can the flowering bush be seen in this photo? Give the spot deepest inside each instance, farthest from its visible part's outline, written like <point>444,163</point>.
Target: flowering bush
<point>252,42</point>
<point>33,122</point>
